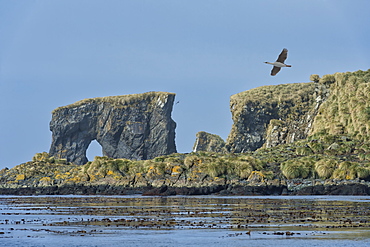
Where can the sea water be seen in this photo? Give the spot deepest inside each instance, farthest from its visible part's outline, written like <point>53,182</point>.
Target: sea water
<point>184,221</point>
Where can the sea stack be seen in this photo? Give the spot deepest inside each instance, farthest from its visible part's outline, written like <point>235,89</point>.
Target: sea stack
<point>137,126</point>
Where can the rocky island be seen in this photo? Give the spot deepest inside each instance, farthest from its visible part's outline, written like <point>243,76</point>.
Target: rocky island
<point>300,138</point>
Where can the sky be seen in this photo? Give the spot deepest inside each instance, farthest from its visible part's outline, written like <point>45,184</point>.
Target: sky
<point>56,52</point>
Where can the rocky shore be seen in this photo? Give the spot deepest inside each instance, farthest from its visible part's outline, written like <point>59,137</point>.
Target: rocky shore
<point>177,174</point>
<point>306,143</point>
<point>47,219</point>
<point>341,188</point>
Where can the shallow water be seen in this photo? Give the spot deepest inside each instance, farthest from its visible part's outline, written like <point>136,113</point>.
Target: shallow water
<point>184,221</point>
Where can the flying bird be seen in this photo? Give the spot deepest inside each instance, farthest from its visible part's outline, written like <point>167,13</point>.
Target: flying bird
<point>279,62</point>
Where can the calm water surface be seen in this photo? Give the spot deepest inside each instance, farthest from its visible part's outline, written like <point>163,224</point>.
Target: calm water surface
<point>184,221</point>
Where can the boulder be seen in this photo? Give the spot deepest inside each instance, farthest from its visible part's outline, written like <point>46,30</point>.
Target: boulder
<point>209,143</point>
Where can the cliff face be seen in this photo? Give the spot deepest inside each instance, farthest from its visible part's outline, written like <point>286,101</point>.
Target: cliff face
<point>272,115</point>
<point>129,126</point>
<point>299,127</point>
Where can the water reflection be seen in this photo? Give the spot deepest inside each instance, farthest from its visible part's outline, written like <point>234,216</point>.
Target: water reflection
<point>225,217</point>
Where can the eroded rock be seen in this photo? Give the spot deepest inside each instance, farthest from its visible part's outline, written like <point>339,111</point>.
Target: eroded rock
<point>137,126</point>
<point>209,143</point>
<point>271,115</point>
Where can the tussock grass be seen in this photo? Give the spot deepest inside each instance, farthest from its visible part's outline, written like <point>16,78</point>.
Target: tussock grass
<point>282,105</point>
<point>347,110</point>
<point>338,146</point>
<point>120,101</point>
<point>290,97</point>
<point>325,168</point>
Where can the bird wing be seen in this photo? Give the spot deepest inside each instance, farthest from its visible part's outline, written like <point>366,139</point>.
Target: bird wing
<point>275,70</point>
<point>283,55</point>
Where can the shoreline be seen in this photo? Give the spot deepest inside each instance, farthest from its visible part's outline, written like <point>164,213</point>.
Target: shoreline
<point>348,188</point>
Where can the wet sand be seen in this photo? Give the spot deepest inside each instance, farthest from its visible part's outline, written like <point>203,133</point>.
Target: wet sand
<point>184,221</point>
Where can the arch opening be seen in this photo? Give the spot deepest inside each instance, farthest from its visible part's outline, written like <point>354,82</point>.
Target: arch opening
<point>94,149</point>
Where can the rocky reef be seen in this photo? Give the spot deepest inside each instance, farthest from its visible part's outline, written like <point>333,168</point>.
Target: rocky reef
<point>135,126</point>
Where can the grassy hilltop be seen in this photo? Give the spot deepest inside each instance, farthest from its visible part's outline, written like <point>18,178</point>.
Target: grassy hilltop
<point>121,101</point>
<point>347,110</point>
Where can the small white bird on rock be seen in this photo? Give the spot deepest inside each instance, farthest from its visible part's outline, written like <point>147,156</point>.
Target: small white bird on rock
<point>279,62</point>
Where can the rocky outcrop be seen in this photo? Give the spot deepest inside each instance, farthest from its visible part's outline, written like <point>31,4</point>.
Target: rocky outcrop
<point>335,189</point>
<point>135,126</point>
<point>282,132</point>
<point>106,189</point>
<point>209,143</point>
<point>225,190</point>
<point>333,111</point>
<point>271,115</point>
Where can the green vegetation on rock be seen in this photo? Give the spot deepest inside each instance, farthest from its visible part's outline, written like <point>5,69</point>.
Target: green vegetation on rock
<point>270,115</point>
<point>305,159</point>
<point>120,101</point>
<point>337,147</point>
<point>347,110</point>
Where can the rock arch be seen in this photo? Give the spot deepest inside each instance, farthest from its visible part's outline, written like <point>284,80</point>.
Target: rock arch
<point>137,126</point>
<point>94,149</point>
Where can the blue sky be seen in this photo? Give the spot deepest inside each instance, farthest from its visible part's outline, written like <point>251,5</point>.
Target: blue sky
<point>54,53</point>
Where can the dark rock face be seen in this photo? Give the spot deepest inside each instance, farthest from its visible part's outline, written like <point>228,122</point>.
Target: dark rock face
<point>272,115</point>
<point>340,189</point>
<point>129,126</point>
<point>288,131</point>
<point>209,143</point>
<point>249,129</point>
<point>226,190</point>
<point>106,189</point>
